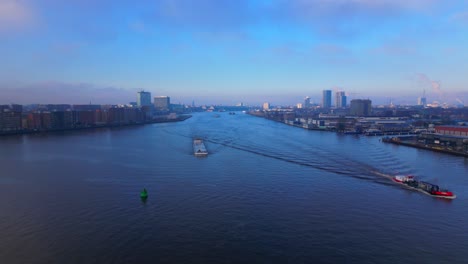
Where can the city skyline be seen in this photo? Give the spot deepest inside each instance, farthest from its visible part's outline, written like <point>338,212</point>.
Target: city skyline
<point>226,52</point>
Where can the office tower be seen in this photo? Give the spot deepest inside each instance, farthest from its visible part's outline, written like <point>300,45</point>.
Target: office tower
<point>326,98</point>
<point>340,99</point>
<point>162,103</point>
<point>361,107</point>
<point>266,106</point>
<point>306,102</point>
<point>143,98</point>
<point>422,101</point>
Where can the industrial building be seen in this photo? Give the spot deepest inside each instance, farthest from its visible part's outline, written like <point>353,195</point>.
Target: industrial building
<point>457,131</point>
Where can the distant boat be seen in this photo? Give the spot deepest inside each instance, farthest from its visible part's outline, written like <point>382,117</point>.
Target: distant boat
<point>425,187</point>
<point>199,148</point>
<point>144,194</point>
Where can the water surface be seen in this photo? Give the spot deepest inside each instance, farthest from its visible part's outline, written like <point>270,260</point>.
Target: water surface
<point>267,193</point>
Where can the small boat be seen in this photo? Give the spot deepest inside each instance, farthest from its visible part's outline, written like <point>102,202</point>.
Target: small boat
<point>425,187</point>
<point>144,194</point>
<point>199,148</point>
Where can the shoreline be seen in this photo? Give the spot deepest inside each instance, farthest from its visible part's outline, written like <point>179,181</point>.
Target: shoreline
<point>45,131</point>
<point>393,140</point>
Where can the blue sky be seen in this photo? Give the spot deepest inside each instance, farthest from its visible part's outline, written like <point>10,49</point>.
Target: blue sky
<point>229,51</point>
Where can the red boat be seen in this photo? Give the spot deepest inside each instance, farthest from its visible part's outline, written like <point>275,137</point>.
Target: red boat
<point>425,187</point>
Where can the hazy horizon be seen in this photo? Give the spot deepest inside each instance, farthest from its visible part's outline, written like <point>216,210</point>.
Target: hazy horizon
<point>227,52</point>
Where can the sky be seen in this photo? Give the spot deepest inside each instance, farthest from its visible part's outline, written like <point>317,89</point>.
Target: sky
<point>231,51</point>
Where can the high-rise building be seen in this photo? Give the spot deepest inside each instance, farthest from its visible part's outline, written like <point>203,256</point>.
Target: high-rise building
<point>326,98</point>
<point>162,103</point>
<point>340,99</point>
<point>266,106</point>
<point>143,98</point>
<point>422,101</point>
<point>306,102</point>
<point>361,107</point>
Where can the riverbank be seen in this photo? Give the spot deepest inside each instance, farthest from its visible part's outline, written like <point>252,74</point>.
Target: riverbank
<point>153,121</point>
<point>413,142</point>
<point>314,127</point>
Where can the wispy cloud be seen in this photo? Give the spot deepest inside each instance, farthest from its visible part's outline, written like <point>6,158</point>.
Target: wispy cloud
<point>64,92</point>
<point>345,18</point>
<point>396,50</point>
<point>138,26</point>
<point>461,17</point>
<point>334,54</point>
<point>15,15</point>
<point>202,15</point>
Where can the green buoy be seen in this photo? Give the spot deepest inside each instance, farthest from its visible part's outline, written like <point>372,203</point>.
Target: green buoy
<point>144,194</point>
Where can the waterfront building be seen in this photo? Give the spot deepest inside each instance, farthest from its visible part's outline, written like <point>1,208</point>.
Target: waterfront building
<point>87,107</point>
<point>143,98</point>
<point>340,99</point>
<point>61,119</point>
<point>11,117</point>
<point>162,103</point>
<point>361,107</point>
<point>306,102</point>
<point>326,98</point>
<point>266,106</point>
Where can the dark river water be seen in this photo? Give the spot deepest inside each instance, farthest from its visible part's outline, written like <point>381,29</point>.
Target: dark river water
<point>267,193</point>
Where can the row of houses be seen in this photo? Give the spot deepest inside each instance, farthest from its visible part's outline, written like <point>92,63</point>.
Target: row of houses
<point>12,118</point>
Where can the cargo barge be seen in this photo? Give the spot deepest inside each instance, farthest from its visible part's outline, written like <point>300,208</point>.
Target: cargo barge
<point>199,148</point>
<point>425,187</point>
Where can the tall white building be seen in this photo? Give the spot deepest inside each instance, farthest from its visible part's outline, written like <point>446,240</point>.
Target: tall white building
<point>266,106</point>
<point>340,99</point>
<point>422,101</point>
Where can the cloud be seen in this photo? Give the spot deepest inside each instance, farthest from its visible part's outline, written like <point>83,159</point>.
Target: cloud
<point>334,54</point>
<point>202,15</point>
<point>15,15</point>
<point>460,17</point>
<point>395,50</point>
<point>57,92</point>
<point>345,18</point>
<point>425,82</point>
<point>331,49</point>
<point>67,48</point>
<point>138,26</point>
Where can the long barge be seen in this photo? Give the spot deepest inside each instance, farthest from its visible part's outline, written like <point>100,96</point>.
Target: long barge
<point>199,148</point>
<point>424,187</point>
